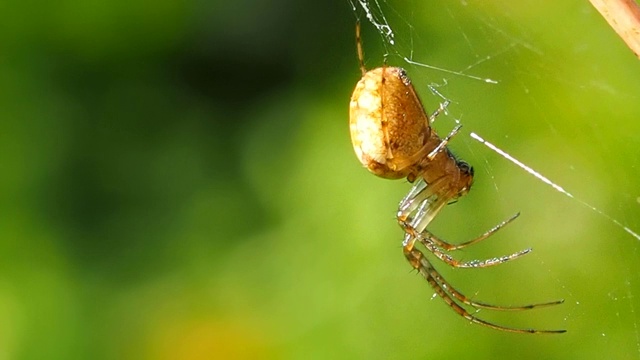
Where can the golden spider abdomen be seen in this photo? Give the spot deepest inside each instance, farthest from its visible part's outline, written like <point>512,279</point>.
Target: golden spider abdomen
<point>389,127</point>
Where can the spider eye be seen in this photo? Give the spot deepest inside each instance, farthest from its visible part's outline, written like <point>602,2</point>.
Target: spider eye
<point>465,167</point>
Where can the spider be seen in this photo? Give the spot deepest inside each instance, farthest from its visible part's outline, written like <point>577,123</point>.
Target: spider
<point>393,139</point>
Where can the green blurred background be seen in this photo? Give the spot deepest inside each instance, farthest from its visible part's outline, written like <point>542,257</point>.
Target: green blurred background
<point>178,181</point>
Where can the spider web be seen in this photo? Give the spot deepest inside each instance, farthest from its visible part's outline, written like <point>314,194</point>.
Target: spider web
<point>549,122</point>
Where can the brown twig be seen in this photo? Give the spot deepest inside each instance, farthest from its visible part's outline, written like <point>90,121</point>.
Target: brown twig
<point>624,17</point>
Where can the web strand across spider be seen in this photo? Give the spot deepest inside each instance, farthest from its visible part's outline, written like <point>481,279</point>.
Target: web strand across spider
<point>392,137</point>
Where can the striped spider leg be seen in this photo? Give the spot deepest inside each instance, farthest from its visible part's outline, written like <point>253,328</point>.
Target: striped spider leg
<point>415,212</point>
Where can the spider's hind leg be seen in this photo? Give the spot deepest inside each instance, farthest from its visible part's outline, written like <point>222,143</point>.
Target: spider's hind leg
<point>449,294</point>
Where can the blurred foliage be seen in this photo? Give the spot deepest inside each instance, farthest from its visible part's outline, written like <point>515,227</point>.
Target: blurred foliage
<point>178,181</point>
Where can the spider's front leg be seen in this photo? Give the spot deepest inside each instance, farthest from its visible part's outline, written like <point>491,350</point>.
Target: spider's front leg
<point>419,207</point>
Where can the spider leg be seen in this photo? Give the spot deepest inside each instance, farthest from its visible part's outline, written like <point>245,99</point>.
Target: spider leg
<point>443,143</point>
<point>418,193</point>
<point>418,209</point>
<point>440,110</point>
<point>420,263</point>
<point>440,254</point>
<point>419,198</point>
<point>433,273</point>
<point>449,247</point>
<point>422,204</point>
